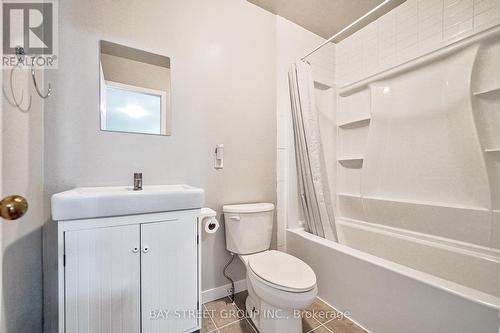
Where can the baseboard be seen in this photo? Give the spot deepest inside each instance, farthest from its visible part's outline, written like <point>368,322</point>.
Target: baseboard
<point>222,291</point>
<point>355,322</point>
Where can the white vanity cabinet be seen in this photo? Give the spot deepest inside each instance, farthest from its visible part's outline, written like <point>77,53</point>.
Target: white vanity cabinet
<point>130,274</point>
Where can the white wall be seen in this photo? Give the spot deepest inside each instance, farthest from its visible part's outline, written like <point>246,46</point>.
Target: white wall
<point>292,43</point>
<point>223,91</point>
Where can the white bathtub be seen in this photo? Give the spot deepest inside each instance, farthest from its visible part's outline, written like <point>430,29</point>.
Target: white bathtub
<point>386,297</point>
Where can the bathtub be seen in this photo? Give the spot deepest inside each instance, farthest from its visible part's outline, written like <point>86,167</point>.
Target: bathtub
<point>386,297</point>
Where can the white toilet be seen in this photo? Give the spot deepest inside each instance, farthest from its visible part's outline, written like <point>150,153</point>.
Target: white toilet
<point>279,285</point>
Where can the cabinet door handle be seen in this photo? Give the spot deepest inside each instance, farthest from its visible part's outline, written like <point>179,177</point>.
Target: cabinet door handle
<point>135,250</point>
<point>145,249</point>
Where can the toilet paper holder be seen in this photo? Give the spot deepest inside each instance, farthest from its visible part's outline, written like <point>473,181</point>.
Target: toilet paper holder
<point>208,220</point>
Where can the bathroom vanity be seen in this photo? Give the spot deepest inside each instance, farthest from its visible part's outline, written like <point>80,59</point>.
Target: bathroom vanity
<point>128,261</point>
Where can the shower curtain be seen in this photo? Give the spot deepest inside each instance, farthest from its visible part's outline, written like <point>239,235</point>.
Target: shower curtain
<point>312,180</point>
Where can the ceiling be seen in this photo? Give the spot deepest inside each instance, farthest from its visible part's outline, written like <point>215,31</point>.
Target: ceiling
<point>326,17</point>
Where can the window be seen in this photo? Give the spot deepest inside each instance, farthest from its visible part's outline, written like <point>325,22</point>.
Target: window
<point>133,109</point>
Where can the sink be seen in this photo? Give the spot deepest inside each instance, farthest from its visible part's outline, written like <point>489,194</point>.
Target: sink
<point>92,202</point>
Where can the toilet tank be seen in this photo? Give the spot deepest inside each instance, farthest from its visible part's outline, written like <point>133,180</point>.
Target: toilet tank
<point>248,227</point>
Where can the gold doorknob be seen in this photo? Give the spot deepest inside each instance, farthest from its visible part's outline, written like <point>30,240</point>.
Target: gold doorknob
<point>13,207</point>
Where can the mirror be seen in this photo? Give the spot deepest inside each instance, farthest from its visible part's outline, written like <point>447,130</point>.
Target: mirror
<point>134,90</point>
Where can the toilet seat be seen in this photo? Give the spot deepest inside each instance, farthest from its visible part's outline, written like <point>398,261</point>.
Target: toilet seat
<point>282,271</point>
<point>276,295</point>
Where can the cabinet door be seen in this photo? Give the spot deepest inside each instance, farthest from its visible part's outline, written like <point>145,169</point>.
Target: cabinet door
<point>102,280</point>
<point>169,268</point>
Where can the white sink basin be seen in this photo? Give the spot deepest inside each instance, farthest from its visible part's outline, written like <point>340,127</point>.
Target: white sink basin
<point>92,202</point>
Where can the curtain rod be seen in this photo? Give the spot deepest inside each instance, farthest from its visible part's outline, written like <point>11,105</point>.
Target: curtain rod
<point>346,28</point>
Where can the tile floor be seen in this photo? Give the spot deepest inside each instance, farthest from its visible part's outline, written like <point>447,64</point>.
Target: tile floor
<point>223,316</point>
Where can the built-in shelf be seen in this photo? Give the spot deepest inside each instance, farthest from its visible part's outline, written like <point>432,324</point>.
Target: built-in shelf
<point>347,159</point>
<point>351,162</point>
<point>350,158</point>
<point>349,195</point>
<point>492,150</point>
<point>415,202</point>
<point>355,123</point>
<point>487,91</point>
<point>427,203</point>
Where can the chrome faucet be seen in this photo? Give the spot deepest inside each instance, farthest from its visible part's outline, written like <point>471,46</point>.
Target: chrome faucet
<point>137,181</point>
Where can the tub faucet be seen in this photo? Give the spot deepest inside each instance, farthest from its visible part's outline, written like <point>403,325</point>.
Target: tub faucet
<point>137,181</point>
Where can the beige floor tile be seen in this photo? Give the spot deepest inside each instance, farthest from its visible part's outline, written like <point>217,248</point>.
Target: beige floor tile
<point>241,326</point>
<point>322,329</point>
<point>228,318</point>
<point>223,312</point>
<point>207,325</point>
<point>322,311</point>
<point>309,323</point>
<point>343,326</point>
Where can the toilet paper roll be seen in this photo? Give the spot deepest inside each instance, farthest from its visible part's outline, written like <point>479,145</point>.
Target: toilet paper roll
<point>211,225</point>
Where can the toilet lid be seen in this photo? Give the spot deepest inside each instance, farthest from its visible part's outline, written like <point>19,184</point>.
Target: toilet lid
<point>283,270</point>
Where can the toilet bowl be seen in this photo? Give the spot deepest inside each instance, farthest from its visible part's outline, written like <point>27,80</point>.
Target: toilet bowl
<point>279,284</point>
<point>281,279</point>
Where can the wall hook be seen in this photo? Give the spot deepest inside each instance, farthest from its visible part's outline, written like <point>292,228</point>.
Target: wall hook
<point>20,54</point>
<point>49,90</point>
<point>14,102</point>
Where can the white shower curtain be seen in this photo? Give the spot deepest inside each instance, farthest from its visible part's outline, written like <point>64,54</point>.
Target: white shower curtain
<point>313,186</point>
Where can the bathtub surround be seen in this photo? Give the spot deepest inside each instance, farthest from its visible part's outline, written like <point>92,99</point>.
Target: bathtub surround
<point>417,180</point>
<point>313,186</point>
<point>444,188</point>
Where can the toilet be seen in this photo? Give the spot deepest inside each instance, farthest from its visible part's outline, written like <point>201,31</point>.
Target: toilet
<point>279,285</point>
